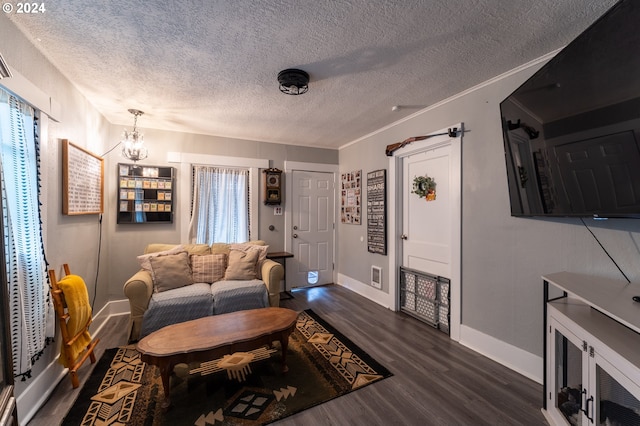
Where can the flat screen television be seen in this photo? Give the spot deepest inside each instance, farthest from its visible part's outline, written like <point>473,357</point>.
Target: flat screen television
<point>572,130</point>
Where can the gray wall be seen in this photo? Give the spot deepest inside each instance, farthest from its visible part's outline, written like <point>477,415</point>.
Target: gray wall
<point>503,257</point>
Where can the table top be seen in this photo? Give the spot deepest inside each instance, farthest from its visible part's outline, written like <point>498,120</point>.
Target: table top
<point>215,331</point>
<point>611,297</point>
<point>279,254</point>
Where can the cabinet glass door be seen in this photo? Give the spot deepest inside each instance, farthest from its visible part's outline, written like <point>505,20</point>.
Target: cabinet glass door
<point>568,359</point>
<point>617,397</point>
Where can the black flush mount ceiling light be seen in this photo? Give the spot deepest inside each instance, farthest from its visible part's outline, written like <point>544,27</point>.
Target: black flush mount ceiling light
<point>293,81</point>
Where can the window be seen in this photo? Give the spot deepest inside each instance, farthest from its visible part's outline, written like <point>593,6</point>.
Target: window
<point>220,209</point>
<point>23,248</point>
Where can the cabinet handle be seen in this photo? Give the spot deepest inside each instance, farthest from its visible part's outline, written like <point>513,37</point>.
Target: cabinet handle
<point>586,410</point>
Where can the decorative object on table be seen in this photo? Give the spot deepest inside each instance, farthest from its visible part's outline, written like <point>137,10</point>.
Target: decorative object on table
<point>145,194</point>
<point>82,180</point>
<point>272,186</point>
<point>293,81</point>
<point>377,211</point>
<point>424,187</point>
<point>350,196</point>
<point>133,142</point>
<point>323,364</point>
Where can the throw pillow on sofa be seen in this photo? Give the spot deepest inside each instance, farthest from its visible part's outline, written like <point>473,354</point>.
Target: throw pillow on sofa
<point>262,254</point>
<point>144,258</point>
<point>208,268</point>
<point>241,265</point>
<point>170,271</point>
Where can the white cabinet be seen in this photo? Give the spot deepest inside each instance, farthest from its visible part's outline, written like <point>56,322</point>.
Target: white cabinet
<point>592,351</point>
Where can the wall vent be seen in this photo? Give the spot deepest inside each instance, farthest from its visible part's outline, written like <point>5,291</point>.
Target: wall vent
<point>376,277</point>
<point>4,69</point>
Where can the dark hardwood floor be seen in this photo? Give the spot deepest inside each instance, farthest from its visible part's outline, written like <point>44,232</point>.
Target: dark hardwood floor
<point>436,381</point>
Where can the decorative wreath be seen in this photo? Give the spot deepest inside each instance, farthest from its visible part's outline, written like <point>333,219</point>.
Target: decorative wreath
<point>423,185</point>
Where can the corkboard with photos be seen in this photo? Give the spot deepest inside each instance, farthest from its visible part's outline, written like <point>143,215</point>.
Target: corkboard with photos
<point>351,197</point>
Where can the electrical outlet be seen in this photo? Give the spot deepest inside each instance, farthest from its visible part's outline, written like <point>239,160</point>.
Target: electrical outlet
<point>277,211</point>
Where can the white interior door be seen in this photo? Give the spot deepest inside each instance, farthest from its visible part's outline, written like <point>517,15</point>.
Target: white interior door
<point>312,229</point>
<point>426,235</point>
<point>426,230</point>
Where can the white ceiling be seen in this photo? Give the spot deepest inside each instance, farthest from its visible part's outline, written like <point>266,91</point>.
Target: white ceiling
<point>210,66</point>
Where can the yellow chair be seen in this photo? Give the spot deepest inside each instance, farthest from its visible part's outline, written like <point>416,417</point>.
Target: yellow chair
<point>71,302</point>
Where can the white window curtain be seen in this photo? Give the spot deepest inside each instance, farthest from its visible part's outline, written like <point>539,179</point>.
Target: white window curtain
<point>220,209</point>
<point>27,281</point>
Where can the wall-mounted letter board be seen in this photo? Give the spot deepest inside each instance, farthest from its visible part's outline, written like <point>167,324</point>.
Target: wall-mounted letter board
<point>82,180</point>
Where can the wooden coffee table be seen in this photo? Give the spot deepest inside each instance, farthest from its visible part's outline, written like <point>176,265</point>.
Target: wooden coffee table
<point>208,338</point>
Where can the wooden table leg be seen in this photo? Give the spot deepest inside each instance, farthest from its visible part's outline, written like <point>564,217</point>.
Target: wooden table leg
<point>165,374</point>
<point>284,344</point>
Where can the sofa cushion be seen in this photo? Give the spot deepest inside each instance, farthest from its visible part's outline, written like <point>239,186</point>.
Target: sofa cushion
<point>208,268</point>
<point>170,271</point>
<point>219,248</point>
<point>231,296</point>
<point>177,305</point>
<point>241,265</point>
<point>167,250</point>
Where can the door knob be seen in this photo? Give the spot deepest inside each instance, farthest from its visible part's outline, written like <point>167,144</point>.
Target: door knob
<point>295,227</point>
<point>403,237</point>
<point>295,235</point>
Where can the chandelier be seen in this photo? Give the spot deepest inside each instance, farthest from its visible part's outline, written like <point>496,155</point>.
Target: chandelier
<point>133,141</point>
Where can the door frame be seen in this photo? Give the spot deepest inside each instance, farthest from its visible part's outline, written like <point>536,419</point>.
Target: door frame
<point>291,166</point>
<point>395,220</point>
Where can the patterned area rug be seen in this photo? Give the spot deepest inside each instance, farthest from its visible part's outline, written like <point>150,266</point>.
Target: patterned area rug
<point>241,389</point>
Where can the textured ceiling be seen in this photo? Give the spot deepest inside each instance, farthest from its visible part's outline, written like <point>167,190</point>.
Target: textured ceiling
<point>210,66</point>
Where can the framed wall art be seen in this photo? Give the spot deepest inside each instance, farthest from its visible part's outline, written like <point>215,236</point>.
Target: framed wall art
<point>350,196</point>
<point>82,180</point>
<point>377,211</point>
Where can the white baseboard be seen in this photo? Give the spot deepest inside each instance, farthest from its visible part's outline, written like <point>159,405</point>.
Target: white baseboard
<point>39,390</point>
<point>518,360</point>
<point>365,290</point>
<point>42,386</point>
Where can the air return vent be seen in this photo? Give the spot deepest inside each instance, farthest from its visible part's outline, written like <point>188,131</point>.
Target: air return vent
<point>4,68</point>
<point>376,276</point>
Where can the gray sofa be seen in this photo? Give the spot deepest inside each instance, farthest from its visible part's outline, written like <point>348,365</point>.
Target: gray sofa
<point>183,282</point>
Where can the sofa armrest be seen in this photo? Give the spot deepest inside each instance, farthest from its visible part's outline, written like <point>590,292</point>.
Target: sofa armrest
<point>272,274</point>
<point>138,290</point>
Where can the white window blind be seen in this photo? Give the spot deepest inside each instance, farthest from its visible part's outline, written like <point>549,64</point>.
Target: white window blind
<point>220,210</point>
